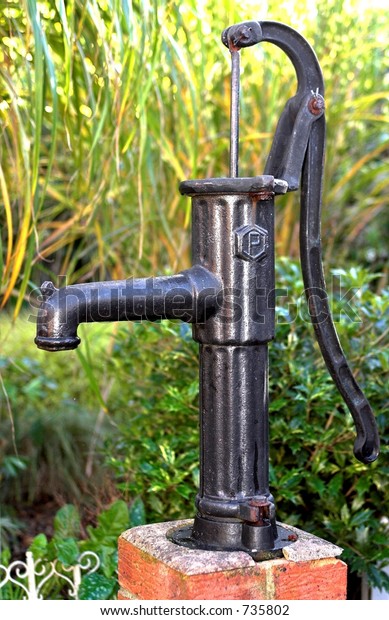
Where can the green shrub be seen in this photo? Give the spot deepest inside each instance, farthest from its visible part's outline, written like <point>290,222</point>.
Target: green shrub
<point>320,486</point>
<point>156,454</point>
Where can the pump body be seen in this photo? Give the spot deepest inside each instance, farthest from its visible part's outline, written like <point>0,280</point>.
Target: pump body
<point>233,237</point>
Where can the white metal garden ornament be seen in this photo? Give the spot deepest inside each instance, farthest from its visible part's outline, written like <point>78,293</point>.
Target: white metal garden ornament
<point>31,575</point>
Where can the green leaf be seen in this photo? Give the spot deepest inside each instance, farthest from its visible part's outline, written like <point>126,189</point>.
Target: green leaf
<point>67,522</point>
<point>5,556</point>
<point>185,491</point>
<point>137,513</point>
<point>317,484</point>
<point>345,514</point>
<point>38,546</point>
<point>361,518</point>
<point>96,587</point>
<point>11,466</point>
<point>336,484</point>
<point>67,551</point>
<point>109,559</point>
<point>111,523</point>
<point>146,468</point>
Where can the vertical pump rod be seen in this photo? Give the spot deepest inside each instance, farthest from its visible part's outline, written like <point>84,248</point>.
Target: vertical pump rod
<point>234,112</point>
<point>249,33</point>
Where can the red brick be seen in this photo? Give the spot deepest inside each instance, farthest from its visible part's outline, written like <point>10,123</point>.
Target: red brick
<point>309,581</point>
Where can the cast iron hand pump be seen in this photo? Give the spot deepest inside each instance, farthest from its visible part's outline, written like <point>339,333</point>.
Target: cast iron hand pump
<point>229,296</point>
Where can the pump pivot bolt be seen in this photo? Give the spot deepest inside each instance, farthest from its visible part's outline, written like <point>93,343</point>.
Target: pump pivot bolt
<point>316,105</point>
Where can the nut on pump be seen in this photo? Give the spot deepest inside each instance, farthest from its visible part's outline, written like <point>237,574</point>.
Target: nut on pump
<point>233,250</point>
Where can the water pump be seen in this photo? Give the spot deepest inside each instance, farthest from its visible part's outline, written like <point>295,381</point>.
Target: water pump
<point>229,297</point>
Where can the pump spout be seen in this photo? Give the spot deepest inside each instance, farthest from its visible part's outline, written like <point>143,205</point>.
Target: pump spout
<point>191,296</point>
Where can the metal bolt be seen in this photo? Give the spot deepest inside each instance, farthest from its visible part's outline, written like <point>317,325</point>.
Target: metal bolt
<point>316,105</point>
<point>251,242</point>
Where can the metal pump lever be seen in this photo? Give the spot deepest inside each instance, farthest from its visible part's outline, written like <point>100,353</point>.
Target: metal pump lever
<point>298,151</point>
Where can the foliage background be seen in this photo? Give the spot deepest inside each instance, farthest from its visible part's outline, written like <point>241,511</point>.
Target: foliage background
<point>105,105</point>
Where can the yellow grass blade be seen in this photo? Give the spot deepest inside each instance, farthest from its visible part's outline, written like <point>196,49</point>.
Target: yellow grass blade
<point>19,254</point>
<point>356,167</point>
<point>8,216</point>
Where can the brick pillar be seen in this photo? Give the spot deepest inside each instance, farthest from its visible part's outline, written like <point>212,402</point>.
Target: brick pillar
<point>153,568</point>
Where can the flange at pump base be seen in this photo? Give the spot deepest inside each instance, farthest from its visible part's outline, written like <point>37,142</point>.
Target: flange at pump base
<point>231,535</point>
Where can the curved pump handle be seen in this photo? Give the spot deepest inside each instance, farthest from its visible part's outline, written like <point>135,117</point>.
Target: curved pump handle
<point>297,156</point>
